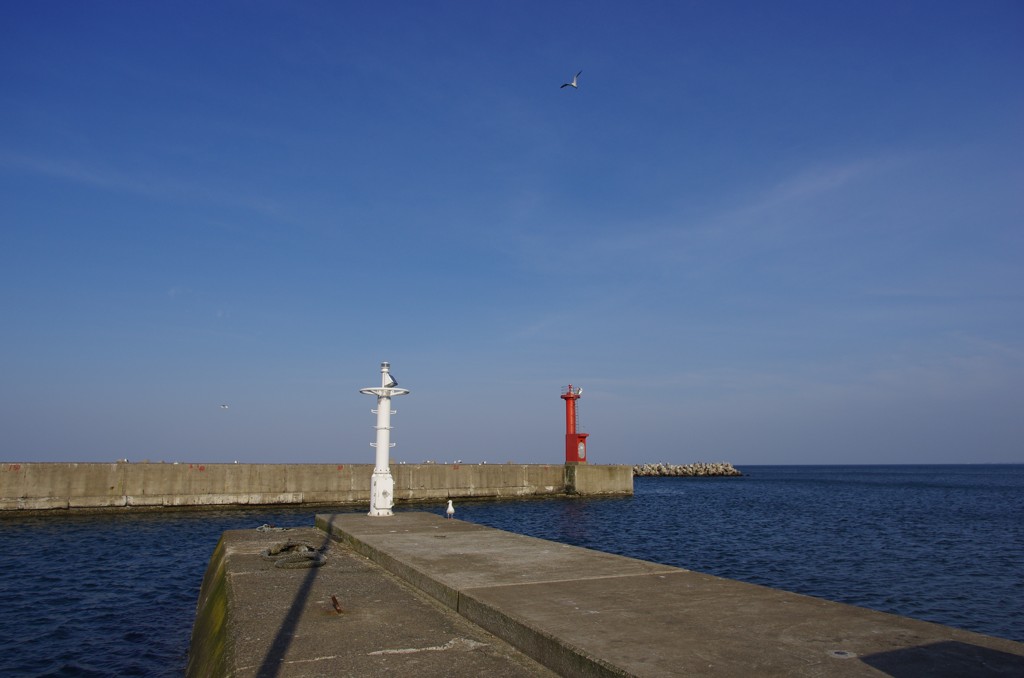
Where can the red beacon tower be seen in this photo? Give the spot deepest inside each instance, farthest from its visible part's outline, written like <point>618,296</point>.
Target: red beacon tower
<point>575,443</point>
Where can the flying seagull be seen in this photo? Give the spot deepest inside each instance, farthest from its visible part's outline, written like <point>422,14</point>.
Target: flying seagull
<point>223,407</point>
<point>573,84</point>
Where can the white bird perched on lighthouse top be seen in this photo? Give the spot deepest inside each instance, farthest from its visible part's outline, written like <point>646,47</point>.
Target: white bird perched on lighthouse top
<point>450,511</point>
<point>574,84</point>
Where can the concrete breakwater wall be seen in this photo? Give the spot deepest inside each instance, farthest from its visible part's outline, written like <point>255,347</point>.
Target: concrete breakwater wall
<point>699,469</point>
<point>54,486</point>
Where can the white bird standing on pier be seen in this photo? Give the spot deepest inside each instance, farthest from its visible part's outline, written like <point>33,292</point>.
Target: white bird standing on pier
<point>450,511</point>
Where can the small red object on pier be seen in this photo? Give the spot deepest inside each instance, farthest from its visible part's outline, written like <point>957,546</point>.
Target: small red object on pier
<point>575,442</point>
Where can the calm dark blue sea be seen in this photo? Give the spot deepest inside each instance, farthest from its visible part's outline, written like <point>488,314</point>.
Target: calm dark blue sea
<point>116,594</point>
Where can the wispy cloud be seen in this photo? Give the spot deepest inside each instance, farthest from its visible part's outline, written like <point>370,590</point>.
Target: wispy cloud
<point>782,208</point>
<point>815,181</point>
<point>75,172</point>
<point>118,181</point>
<point>771,211</point>
<point>965,369</point>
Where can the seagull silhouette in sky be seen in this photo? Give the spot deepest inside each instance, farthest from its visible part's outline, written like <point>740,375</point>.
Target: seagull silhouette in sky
<point>573,84</point>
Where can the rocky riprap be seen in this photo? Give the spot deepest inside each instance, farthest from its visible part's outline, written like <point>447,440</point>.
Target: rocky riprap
<point>700,469</point>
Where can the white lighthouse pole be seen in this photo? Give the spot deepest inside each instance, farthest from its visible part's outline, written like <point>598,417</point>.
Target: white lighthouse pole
<point>382,485</point>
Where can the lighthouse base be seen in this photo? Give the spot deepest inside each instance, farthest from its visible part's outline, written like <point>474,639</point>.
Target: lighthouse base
<point>576,448</point>
<point>382,492</point>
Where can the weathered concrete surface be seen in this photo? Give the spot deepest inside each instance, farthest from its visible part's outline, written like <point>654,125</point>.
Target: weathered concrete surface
<point>44,486</point>
<point>589,480</point>
<point>418,482</point>
<point>35,486</point>
<point>256,619</point>
<point>586,613</point>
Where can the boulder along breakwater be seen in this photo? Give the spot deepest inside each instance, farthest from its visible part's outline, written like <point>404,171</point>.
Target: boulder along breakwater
<point>701,469</point>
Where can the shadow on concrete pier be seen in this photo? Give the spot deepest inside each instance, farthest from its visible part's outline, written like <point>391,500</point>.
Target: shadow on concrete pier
<point>946,659</point>
<point>275,658</point>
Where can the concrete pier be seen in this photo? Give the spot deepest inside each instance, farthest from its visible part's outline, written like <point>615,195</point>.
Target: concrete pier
<point>525,606</point>
<point>347,617</point>
<point>585,613</point>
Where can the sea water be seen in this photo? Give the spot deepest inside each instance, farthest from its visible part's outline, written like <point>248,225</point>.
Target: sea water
<point>115,594</point>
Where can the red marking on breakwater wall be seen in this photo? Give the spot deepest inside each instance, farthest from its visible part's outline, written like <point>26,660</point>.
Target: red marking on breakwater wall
<point>14,467</point>
<point>200,467</point>
<point>341,466</point>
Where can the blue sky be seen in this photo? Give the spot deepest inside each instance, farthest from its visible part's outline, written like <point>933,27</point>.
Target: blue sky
<point>758,232</point>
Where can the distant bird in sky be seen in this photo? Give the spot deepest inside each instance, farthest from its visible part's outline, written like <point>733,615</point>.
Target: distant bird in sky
<point>450,511</point>
<point>573,84</point>
<point>223,407</point>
